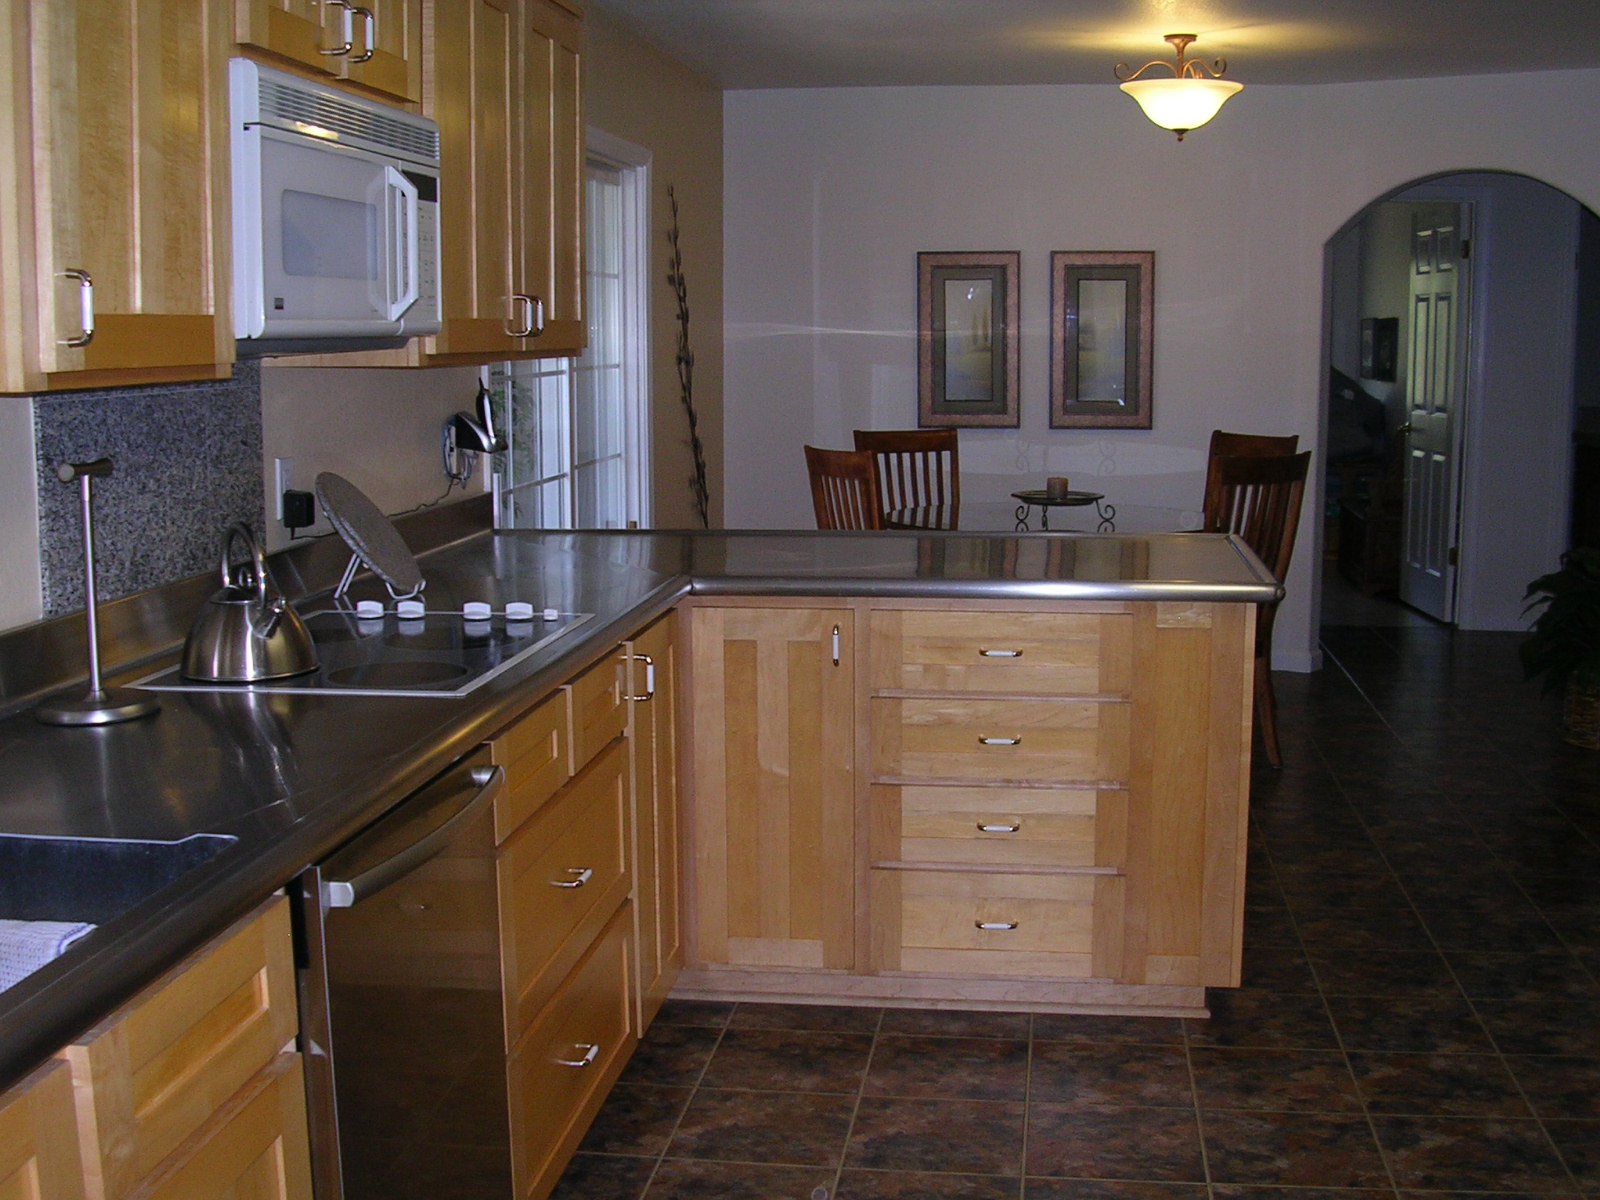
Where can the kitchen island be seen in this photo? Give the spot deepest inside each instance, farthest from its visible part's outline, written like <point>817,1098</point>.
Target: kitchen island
<point>1138,634</point>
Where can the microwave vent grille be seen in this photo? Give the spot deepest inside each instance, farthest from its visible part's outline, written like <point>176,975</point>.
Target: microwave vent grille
<point>286,102</point>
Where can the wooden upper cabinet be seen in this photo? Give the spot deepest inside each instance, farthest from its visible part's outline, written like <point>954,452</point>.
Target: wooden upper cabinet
<point>122,241</point>
<point>374,43</point>
<point>551,191</point>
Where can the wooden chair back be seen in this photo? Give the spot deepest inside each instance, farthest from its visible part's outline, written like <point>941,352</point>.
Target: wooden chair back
<point>844,488</point>
<point>917,468</point>
<point>1258,497</point>
<point>1235,445</point>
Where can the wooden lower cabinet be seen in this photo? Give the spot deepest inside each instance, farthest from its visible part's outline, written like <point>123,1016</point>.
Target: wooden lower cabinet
<point>658,875</point>
<point>39,1138</point>
<point>194,1088</point>
<point>1049,813</point>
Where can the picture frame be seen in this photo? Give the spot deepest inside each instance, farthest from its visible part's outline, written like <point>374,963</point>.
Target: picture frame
<point>1102,308</point>
<point>1380,347</point>
<point>967,338</point>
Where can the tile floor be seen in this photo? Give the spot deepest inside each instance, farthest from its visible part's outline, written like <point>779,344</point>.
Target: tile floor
<point>1420,1015</point>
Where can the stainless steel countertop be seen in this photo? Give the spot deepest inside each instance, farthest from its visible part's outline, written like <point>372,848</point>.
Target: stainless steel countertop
<point>294,776</point>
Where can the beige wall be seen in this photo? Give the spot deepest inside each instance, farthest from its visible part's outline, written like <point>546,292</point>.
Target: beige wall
<point>636,92</point>
<point>831,193</point>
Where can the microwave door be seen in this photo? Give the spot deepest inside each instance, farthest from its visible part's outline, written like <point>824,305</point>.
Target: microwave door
<point>328,224</point>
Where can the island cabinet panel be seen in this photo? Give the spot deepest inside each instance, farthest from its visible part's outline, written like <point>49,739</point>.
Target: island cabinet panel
<point>197,1076</point>
<point>773,752</point>
<point>39,1138</point>
<point>115,251</point>
<point>1050,801</point>
<point>658,873</point>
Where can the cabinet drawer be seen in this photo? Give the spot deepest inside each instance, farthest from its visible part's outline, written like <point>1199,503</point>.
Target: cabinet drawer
<point>560,1072</point>
<point>257,1146</point>
<point>536,758</point>
<point>1036,924</point>
<point>599,707</point>
<point>1056,654</point>
<point>39,1138</point>
<point>999,826</point>
<point>560,877</point>
<point>1000,740</point>
<point>152,1074</point>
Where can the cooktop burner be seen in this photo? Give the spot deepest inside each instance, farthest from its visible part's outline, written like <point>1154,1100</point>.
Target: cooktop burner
<point>394,653</point>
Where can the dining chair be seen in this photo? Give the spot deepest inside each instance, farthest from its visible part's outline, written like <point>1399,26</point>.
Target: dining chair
<point>844,488</point>
<point>1225,444</point>
<point>1258,498</point>
<point>917,469</point>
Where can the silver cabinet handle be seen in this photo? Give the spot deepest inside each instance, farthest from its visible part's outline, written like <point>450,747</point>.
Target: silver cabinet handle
<point>370,23</point>
<point>836,645</point>
<point>583,875</point>
<point>348,22</point>
<point>85,307</point>
<point>649,679</point>
<point>590,1052</point>
<point>1011,828</point>
<point>995,926</point>
<point>1001,653</point>
<point>525,327</point>
<point>999,741</point>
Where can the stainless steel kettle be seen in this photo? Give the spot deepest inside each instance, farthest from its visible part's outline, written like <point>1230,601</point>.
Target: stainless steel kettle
<point>247,632</point>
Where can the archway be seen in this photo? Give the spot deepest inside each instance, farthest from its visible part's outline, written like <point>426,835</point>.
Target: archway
<point>1527,373</point>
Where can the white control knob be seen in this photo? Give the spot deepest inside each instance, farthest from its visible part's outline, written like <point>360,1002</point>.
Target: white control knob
<point>369,610</point>
<point>411,610</point>
<point>518,610</point>
<point>476,610</point>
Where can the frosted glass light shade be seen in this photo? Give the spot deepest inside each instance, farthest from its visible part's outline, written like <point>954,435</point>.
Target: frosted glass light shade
<point>1181,104</point>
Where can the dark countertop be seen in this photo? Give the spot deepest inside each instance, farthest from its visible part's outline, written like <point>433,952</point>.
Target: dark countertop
<point>294,776</point>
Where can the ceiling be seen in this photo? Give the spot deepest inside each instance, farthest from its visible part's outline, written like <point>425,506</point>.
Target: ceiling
<point>860,43</point>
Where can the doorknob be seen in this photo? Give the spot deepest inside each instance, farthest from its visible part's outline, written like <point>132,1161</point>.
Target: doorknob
<point>1408,427</point>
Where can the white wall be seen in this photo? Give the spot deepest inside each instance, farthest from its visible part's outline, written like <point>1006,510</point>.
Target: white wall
<point>830,194</point>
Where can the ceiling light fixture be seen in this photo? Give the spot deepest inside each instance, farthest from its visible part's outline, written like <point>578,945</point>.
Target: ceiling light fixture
<point>1188,100</point>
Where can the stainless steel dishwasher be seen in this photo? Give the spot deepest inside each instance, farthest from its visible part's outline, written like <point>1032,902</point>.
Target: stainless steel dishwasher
<point>400,1001</point>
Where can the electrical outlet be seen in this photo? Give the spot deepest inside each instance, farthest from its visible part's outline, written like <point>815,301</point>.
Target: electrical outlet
<point>282,481</point>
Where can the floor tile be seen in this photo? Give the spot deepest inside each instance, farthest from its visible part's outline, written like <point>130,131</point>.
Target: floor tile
<point>1578,1143</point>
<point>1470,1154</point>
<point>1419,1024</point>
<point>1161,1144</point>
<point>1559,1086</point>
<point>836,1018</point>
<point>1111,1189</point>
<point>1384,973</point>
<point>1076,1027</point>
<point>789,1060</point>
<point>671,1054</point>
<point>1304,1080</point>
<point>948,1068</point>
<point>1456,1085</point>
<point>679,1179</point>
<point>604,1177</point>
<point>637,1119</point>
<point>1542,1026</point>
<point>1298,1149</point>
<point>953,1136</point>
<point>1250,1017</point>
<point>954,1022</point>
<point>791,1128</point>
<point>922,1185</point>
<point>1109,1074</point>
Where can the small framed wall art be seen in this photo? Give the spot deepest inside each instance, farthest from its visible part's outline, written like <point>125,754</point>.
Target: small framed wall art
<point>967,338</point>
<point>1101,348</point>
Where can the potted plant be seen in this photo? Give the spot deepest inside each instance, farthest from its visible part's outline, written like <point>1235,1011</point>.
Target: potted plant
<point>1563,645</point>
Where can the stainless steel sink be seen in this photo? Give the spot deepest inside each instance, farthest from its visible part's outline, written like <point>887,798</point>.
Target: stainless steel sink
<point>92,879</point>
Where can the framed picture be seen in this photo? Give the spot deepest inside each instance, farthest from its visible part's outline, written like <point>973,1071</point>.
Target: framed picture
<point>1380,347</point>
<point>1101,310</point>
<point>967,338</point>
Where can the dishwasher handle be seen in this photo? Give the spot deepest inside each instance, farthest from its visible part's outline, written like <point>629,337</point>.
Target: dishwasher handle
<point>418,829</point>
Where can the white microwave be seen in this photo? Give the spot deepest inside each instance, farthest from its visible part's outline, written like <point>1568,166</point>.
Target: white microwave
<point>335,217</point>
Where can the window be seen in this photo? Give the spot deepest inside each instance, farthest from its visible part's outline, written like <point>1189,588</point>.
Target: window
<point>579,428</point>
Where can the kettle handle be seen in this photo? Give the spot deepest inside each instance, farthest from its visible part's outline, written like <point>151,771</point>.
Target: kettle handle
<point>240,531</point>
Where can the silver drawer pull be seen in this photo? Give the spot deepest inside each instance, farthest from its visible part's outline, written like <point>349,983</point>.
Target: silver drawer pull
<point>584,874</point>
<point>1011,828</point>
<point>1001,653</point>
<point>999,741</point>
<point>590,1051</point>
<point>995,926</point>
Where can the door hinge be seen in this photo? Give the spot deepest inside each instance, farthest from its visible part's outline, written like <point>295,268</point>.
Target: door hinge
<point>1454,557</point>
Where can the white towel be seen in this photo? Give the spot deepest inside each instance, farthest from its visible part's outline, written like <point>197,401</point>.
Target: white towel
<point>25,946</point>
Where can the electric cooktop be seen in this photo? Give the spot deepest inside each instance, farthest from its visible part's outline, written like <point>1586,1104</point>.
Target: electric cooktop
<point>403,650</point>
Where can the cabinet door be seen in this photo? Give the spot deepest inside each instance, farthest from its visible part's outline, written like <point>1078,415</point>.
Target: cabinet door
<point>383,51</point>
<point>771,825</point>
<point>652,699</point>
<point>549,199</point>
<point>39,1139</point>
<point>130,195</point>
<point>473,70</point>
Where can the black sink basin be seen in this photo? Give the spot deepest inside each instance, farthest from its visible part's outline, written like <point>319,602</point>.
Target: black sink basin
<point>92,879</point>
